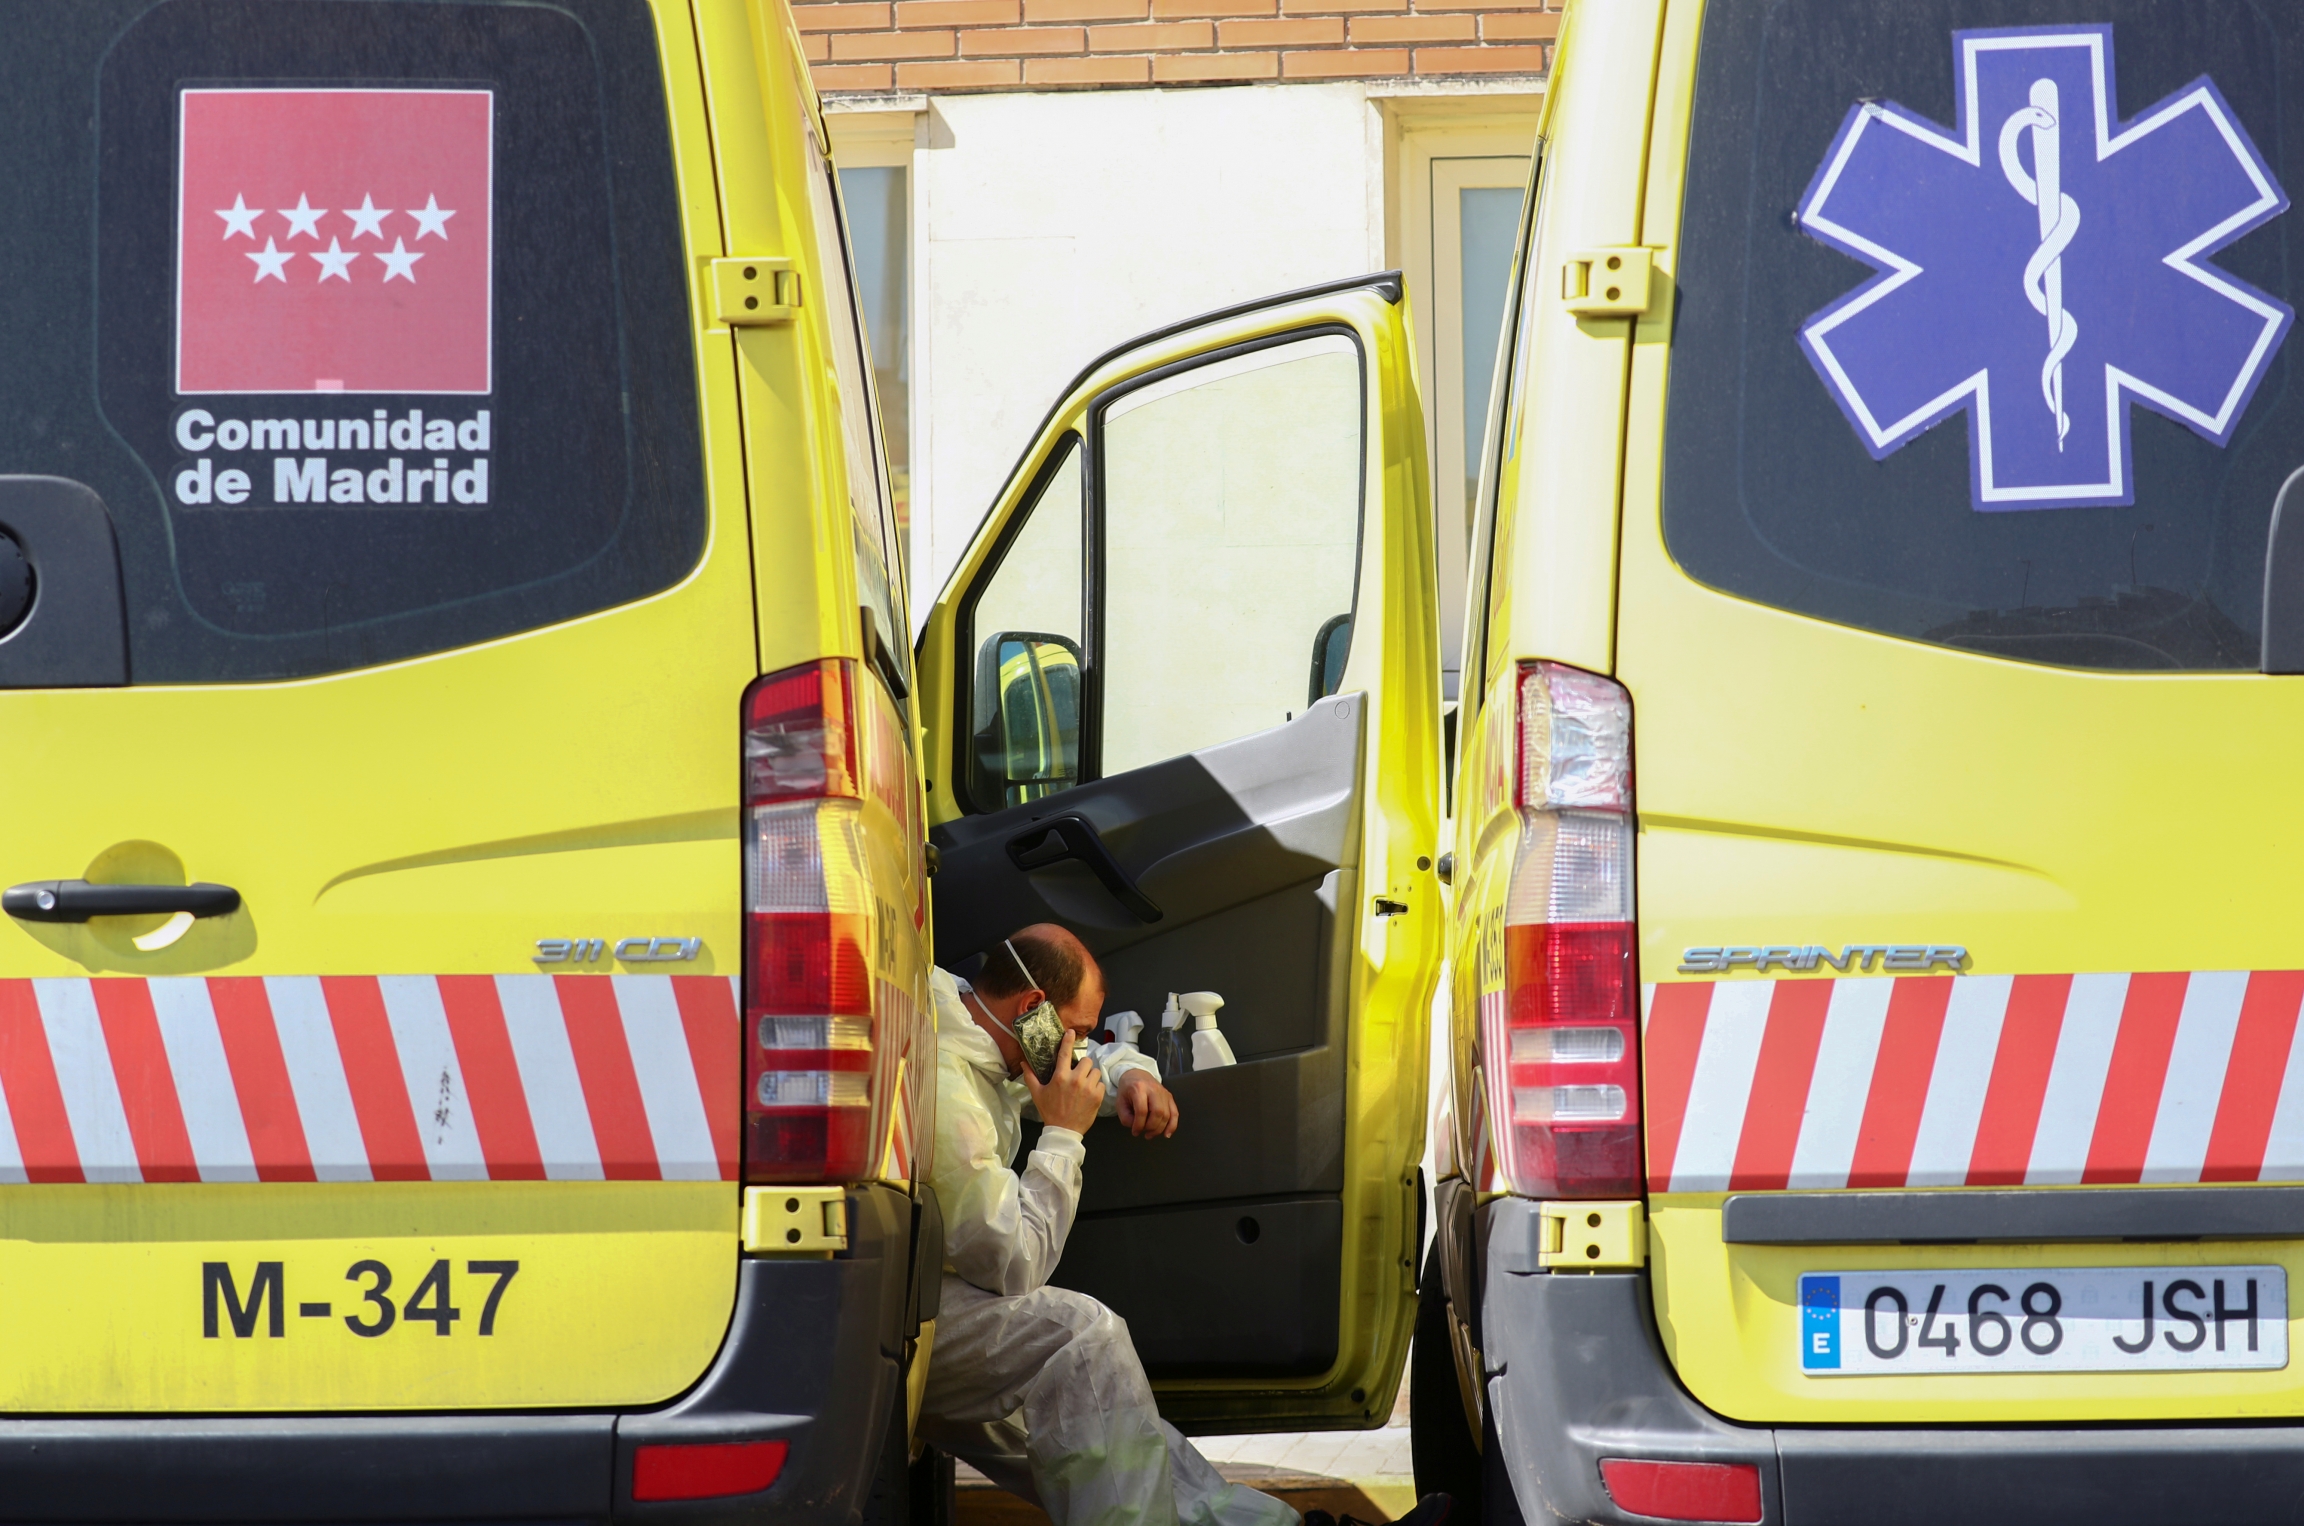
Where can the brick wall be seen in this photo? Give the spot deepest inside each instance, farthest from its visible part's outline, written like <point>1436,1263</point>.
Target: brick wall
<point>947,45</point>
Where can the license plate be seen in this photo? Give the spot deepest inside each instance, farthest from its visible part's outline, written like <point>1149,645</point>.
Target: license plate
<point>2056,1319</point>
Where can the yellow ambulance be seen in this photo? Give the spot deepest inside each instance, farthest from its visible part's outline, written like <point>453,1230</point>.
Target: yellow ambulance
<point>465,1049</point>
<point>1875,1008</point>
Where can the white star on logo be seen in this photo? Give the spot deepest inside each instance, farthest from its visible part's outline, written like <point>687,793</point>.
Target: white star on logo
<point>366,218</point>
<point>335,261</point>
<point>239,219</point>
<point>303,217</point>
<point>429,218</point>
<point>272,262</point>
<point>400,263</point>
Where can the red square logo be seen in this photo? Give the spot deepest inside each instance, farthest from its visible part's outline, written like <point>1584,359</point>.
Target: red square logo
<point>334,241</point>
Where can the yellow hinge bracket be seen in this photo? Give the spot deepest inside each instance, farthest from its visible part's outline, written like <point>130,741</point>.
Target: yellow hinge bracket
<point>1607,283</point>
<point>750,292</point>
<point>1591,1236</point>
<point>805,1221</point>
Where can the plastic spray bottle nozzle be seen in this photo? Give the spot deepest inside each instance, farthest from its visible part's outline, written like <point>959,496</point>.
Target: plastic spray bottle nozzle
<point>1203,1006</point>
<point>1124,1026</point>
<point>1172,1015</point>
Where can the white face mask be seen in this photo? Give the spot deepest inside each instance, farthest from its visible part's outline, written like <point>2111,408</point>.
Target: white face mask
<point>1040,1033</point>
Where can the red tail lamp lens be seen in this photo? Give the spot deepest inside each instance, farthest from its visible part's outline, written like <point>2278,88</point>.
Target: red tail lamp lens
<point>711,1470</point>
<point>811,962</point>
<point>1571,1107</point>
<point>1685,1491</point>
<point>800,734</point>
<point>1561,1051</point>
<point>814,1097</point>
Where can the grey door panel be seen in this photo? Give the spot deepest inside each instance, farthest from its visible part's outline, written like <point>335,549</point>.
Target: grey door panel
<point>1266,1126</point>
<point>1250,851</point>
<point>1200,834</point>
<point>1241,1289</point>
<point>1259,945</point>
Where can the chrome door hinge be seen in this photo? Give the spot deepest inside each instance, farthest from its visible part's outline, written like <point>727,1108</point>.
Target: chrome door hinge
<point>749,292</point>
<point>1607,283</point>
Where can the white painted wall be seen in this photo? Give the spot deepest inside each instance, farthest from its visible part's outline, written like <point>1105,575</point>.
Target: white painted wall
<point>1050,227</point>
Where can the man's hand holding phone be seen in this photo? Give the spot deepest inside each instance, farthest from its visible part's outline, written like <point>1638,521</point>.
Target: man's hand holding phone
<point>1073,1093</point>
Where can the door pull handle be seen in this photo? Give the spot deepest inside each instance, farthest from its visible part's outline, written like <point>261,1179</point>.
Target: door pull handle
<point>78,900</point>
<point>1075,837</point>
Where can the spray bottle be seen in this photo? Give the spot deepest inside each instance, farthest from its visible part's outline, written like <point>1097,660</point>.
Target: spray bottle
<point>1173,1053</point>
<point>1210,1049</point>
<point>1124,1027</point>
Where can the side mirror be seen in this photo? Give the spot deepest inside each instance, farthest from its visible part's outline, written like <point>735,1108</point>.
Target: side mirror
<point>1331,644</point>
<point>1025,718</point>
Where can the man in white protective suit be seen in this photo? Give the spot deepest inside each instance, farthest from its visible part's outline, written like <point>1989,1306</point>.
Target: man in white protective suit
<point>1040,1387</point>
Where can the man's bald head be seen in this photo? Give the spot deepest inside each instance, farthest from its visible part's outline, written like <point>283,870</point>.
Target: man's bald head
<point>1056,962</point>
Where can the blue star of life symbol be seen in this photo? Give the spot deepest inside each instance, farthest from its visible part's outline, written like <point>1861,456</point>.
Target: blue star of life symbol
<point>2041,267</point>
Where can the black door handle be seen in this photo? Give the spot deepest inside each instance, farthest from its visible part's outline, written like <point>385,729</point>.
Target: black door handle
<point>77,900</point>
<point>1075,837</point>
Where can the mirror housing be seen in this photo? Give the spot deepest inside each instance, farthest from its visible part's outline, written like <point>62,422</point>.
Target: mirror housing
<point>1024,725</point>
<point>1331,644</point>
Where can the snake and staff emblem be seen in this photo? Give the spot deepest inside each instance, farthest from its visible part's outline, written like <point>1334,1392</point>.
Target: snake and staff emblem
<point>2059,221</point>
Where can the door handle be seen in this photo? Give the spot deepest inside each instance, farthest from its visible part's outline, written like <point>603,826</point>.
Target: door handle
<point>1075,837</point>
<point>77,900</point>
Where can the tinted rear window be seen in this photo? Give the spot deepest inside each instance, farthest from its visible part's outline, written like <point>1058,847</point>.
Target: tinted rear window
<point>1868,277</point>
<point>366,320</point>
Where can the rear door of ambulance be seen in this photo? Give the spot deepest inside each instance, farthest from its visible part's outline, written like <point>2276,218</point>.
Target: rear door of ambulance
<point>1181,696</point>
<point>377,620</point>
<point>1966,902</point>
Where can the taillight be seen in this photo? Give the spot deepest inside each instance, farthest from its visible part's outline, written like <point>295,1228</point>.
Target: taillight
<point>1684,1491</point>
<point>706,1470</point>
<point>1560,1052</point>
<point>812,1089</point>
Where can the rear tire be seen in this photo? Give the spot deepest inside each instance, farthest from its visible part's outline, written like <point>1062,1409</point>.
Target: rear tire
<point>1447,1459</point>
<point>932,1485</point>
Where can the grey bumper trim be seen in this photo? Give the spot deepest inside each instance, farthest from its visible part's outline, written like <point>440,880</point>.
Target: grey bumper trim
<point>1967,1215</point>
<point>1577,1372</point>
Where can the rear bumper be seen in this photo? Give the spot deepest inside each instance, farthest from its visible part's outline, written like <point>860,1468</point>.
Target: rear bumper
<point>1576,1373</point>
<point>813,1357</point>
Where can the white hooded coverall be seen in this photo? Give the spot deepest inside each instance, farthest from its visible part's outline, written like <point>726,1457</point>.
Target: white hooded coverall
<point>1040,1387</point>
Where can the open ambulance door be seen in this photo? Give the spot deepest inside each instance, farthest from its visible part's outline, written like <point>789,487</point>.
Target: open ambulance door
<point>1181,696</point>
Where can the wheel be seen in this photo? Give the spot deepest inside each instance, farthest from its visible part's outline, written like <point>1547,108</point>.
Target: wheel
<point>1440,1439</point>
<point>932,1489</point>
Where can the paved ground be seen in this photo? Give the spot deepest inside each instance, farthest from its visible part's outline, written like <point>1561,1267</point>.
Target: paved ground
<point>1364,1473</point>
<point>1375,1462</point>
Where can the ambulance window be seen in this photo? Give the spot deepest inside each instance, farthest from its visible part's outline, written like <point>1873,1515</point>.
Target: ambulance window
<point>1230,531</point>
<point>1022,635</point>
<point>370,328</point>
<point>1946,369</point>
<point>1498,453</point>
<point>874,200</point>
<point>887,641</point>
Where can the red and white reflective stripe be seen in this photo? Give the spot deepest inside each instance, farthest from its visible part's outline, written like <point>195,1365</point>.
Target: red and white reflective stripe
<point>1974,1080</point>
<point>298,1078</point>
